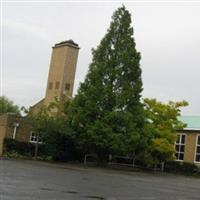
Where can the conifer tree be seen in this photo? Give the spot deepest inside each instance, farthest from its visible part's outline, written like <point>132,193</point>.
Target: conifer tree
<point>106,114</point>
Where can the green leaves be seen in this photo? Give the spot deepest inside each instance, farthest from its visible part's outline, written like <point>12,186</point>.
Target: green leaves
<point>161,125</point>
<point>7,106</point>
<point>107,112</point>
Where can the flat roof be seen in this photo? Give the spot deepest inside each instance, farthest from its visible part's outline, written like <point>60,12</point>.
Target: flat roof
<point>70,43</point>
<point>193,122</point>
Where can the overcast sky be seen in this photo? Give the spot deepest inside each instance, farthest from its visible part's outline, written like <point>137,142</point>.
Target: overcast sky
<point>166,34</point>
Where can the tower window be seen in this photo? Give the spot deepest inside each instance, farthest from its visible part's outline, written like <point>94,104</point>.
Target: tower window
<point>57,85</point>
<point>67,86</point>
<point>50,85</point>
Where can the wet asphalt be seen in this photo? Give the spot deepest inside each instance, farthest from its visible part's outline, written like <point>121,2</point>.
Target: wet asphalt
<point>32,180</point>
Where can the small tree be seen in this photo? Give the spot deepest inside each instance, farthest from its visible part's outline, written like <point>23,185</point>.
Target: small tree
<point>58,140</point>
<point>107,115</point>
<point>161,125</point>
<point>7,106</point>
<point>54,130</point>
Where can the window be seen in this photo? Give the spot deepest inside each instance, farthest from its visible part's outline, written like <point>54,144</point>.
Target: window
<point>197,155</point>
<point>67,86</point>
<point>180,147</point>
<point>34,137</point>
<point>50,85</point>
<point>57,85</point>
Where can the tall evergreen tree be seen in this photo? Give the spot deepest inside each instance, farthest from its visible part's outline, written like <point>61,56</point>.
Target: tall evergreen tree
<point>106,114</point>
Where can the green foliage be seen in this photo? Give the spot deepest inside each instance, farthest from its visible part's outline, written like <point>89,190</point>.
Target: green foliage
<point>17,149</point>
<point>7,106</point>
<point>20,148</point>
<point>14,154</point>
<point>107,115</point>
<point>39,121</point>
<point>55,132</point>
<point>58,140</point>
<point>161,125</point>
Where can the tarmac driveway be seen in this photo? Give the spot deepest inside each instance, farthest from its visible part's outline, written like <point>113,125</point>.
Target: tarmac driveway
<point>31,180</point>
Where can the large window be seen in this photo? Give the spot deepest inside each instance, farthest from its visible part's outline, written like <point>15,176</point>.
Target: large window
<point>180,147</point>
<point>34,137</point>
<point>197,155</point>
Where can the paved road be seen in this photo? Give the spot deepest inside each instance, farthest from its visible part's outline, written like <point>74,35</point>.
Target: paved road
<point>29,180</point>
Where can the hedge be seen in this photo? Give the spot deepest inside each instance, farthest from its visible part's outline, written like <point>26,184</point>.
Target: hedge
<point>182,168</point>
<point>21,148</point>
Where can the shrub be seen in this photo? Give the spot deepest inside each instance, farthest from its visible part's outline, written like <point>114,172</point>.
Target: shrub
<point>13,154</point>
<point>182,168</point>
<point>189,168</point>
<point>21,148</point>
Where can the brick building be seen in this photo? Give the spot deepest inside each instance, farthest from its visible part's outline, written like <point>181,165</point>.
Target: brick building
<point>60,86</point>
<point>188,141</point>
<point>15,127</point>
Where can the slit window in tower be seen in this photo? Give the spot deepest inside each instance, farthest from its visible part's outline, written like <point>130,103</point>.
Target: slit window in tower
<point>67,86</point>
<point>50,85</point>
<point>57,85</point>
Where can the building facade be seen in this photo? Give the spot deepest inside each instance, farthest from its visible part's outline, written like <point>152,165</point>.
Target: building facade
<point>14,127</point>
<point>188,141</point>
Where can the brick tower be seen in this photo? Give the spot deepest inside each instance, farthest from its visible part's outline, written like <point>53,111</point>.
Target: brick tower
<point>61,73</point>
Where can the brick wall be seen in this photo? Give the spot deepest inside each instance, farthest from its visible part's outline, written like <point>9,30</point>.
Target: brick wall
<point>7,128</point>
